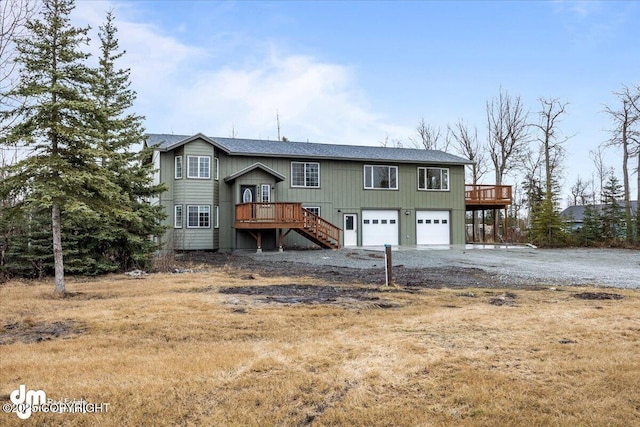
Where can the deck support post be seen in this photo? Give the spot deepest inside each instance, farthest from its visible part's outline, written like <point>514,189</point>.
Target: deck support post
<point>473,226</point>
<point>506,224</point>
<point>496,224</point>
<point>258,237</point>
<point>259,242</point>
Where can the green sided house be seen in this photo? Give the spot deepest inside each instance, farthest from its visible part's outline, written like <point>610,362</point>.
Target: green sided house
<point>227,193</point>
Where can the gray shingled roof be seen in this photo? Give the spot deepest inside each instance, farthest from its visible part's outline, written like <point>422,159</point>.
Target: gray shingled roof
<point>307,150</point>
<point>576,213</point>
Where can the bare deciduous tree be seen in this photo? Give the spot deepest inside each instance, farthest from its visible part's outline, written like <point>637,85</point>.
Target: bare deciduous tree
<point>635,104</point>
<point>532,184</point>
<point>14,14</point>
<point>390,143</point>
<point>430,137</point>
<point>469,147</point>
<point>551,142</point>
<point>602,171</point>
<point>508,133</point>
<point>626,134</point>
<point>580,194</point>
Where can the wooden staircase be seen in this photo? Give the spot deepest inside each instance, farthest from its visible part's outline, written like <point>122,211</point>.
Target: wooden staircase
<point>291,216</point>
<point>319,231</point>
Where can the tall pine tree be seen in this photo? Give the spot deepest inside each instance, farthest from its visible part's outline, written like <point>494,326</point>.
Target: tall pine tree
<point>613,217</point>
<point>56,125</point>
<point>126,226</point>
<point>591,231</point>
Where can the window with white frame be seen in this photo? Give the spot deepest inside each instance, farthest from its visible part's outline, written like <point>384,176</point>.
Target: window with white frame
<point>380,177</point>
<point>305,174</point>
<point>178,167</point>
<point>199,167</point>
<point>216,164</point>
<point>177,216</point>
<point>216,217</point>
<point>433,179</point>
<point>265,193</point>
<point>199,216</point>
<point>314,209</point>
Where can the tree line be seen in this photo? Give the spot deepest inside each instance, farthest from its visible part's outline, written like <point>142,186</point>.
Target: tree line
<point>77,198</point>
<point>530,148</point>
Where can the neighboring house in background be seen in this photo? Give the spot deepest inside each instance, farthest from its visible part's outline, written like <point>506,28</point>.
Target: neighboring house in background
<point>574,215</point>
<point>227,193</point>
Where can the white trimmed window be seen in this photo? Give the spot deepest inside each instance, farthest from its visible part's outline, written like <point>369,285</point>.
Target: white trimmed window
<point>216,217</point>
<point>199,167</point>
<point>199,216</point>
<point>380,177</point>
<point>314,209</point>
<point>305,174</point>
<point>265,193</point>
<point>436,179</point>
<point>216,164</point>
<point>177,216</point>
<point>178,167</point>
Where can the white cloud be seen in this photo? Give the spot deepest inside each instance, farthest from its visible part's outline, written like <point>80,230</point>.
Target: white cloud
<point>183,89</point>
<point>578,9</point>
<point>315,101</point>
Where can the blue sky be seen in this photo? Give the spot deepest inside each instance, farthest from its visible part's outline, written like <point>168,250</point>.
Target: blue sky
<point>359,72</point>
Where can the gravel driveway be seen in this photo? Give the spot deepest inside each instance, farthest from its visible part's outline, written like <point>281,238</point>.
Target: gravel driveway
<point>507,266</point>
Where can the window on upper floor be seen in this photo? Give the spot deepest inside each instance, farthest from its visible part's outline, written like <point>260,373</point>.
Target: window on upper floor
<point>305,174</point>
<point>199,216</point>
<point>216,164</point>
<point>265,193</point>
<point>178,167</point>
<point>199,167</point>
<point>436,179</point>
<point>380,177</point>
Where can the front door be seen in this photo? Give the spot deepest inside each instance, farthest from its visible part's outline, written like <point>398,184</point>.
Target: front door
<point>247,193</point>
<point>350,230</point>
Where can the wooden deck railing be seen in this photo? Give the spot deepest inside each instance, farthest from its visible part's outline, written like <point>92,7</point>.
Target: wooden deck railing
<point>320,228</point>
<point>287,215</point>
<point>476,194</point>
<point>260,214</point>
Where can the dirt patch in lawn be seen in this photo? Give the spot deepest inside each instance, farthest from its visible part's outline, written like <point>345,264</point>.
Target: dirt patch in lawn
<point>311,294</point>
<point>597,295</point>
<point>28,331</point>
<point>409,278</point>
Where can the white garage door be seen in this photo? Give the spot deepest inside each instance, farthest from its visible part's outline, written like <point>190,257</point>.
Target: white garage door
<point>433,228</point>
<point>379,228</point>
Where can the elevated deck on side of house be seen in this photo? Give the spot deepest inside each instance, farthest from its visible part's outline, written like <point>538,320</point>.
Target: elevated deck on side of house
<point>480,197</point>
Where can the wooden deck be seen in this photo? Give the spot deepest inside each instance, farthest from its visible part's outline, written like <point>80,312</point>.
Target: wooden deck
<point>479,197</point>
<point>292,216</point>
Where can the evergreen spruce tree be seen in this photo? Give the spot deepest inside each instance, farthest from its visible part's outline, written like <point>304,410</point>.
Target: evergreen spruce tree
<point>31,251</point>
<point>56,124</point>
<point>613,224</point>
<point>546,223</point>
<point>127,225</point>
<point>591,231</point>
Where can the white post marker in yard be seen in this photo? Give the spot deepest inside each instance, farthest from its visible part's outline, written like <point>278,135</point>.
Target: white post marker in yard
<point>387,264</point>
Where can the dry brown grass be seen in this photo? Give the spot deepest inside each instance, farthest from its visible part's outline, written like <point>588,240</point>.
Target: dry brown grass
<point>161,354</point>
